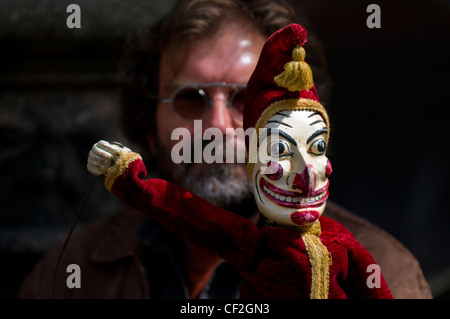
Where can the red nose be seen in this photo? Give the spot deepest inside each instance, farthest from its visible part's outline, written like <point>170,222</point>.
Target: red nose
<point>306,181</point>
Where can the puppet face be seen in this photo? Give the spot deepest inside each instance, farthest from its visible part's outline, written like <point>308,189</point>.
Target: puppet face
<point>290,178</point>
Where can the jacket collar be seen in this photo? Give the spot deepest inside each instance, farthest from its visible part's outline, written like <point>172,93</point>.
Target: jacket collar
<point>120,238</point>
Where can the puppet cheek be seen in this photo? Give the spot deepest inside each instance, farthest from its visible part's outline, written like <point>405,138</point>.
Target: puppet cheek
<point>274,171</point>
<point>329,169</point>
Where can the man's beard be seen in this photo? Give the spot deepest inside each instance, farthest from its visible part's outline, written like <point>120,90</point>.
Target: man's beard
<point>226,185</point>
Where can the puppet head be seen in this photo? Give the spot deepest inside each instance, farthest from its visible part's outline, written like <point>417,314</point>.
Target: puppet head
<point>287,162</point>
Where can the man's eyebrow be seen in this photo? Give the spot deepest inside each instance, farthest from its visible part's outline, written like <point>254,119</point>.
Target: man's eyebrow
<point>174,84</point>
<point>321,131</point>
<point>170,86</point>
<point>268,131</point>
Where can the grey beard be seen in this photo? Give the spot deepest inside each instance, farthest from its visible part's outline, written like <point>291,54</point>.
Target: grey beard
<point>220,184</point>
<point>225,185</point>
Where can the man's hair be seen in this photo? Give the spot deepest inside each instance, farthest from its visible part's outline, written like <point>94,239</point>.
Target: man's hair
<point>191,20</point>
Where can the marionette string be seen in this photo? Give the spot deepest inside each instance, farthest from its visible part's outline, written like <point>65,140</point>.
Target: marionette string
<point>69,234</point>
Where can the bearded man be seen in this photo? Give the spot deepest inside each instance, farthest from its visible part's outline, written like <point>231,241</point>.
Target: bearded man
<point>201,53</point>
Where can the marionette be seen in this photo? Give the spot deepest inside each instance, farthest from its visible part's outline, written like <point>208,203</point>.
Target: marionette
<point>294,252</point>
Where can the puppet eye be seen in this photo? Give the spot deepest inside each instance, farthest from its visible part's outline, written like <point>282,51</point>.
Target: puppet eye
<point>278,148</point>
<point>319,147</point>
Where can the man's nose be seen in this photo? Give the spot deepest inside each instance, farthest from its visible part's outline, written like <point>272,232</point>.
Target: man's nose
<point>218,114</point>
<point>306,181</point>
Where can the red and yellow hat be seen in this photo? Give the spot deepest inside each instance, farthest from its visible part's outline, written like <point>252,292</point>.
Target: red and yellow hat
<point>281,81</point>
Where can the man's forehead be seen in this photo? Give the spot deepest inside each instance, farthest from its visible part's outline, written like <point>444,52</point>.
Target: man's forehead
<point>228,57</point>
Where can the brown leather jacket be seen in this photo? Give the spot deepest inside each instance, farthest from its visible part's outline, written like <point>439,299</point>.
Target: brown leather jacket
<point>111,266</point>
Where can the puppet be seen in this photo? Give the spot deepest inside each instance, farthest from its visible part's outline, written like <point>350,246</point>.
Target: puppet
<point>294,252</point>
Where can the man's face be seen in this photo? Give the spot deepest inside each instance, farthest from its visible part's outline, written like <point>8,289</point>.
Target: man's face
<point>290,178</point>
<point>228,56</point>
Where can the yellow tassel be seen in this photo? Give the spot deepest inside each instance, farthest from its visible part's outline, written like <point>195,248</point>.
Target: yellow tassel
<point>297,74</point>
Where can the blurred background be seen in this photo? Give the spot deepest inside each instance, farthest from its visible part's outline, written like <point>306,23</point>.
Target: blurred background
<point>388,110</point>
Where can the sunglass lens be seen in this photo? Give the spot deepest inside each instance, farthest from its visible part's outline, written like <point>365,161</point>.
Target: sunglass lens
<point>190,103</point>
<point>237,104</point>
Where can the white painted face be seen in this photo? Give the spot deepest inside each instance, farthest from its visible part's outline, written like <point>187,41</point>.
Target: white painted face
<point>290,177</point>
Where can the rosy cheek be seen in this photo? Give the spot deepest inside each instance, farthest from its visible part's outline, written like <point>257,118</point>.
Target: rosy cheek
<point>276,169</point>
<point>329,169</point>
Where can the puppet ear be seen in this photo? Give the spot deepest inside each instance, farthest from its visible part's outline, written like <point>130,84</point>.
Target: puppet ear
<point>297,75</point>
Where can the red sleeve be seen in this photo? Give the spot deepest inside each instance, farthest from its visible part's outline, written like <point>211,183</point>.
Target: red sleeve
<point>233,237</point>
<point>364,275</point>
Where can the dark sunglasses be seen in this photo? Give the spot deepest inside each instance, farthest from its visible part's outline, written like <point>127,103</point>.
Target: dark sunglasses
<point>191,101</point>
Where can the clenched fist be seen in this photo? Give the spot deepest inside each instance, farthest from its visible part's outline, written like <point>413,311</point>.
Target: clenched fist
<point>103,155</point>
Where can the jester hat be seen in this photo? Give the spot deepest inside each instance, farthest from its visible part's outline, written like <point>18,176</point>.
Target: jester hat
<point>281,81</point>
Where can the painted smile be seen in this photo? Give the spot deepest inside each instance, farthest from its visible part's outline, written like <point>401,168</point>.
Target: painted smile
<point>291,199</point>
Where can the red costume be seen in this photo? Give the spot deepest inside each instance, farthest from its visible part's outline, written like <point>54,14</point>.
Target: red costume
<point>273,259</point>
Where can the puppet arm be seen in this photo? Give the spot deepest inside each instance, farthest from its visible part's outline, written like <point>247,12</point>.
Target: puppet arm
<point>365,278</point>
<point>233,237</point>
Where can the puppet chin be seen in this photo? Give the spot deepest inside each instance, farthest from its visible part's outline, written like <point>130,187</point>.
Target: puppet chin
<point>305,217</point>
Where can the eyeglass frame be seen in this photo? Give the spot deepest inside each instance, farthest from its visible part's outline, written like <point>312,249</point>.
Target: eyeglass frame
<point>200,86</point>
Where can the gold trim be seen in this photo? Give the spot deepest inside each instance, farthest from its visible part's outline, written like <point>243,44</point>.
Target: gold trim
<point>321,260</point>
<point>119,167</point>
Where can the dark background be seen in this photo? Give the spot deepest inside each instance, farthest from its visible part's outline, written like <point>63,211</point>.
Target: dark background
<point>388,110</point>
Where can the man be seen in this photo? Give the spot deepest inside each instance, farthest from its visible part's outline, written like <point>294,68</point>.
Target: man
<point>197,58</point>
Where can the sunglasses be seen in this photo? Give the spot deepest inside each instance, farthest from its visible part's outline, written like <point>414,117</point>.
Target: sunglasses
<point>191,101</point>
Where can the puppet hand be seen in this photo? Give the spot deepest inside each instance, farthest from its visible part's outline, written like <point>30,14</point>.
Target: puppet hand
<point>103,155</point>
